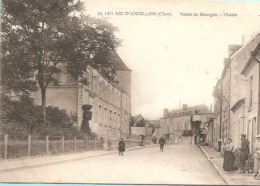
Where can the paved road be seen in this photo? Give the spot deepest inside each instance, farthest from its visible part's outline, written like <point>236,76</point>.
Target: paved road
<point>178,164</point>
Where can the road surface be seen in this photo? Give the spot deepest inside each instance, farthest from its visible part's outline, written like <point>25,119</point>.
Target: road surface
<point>178,164</point>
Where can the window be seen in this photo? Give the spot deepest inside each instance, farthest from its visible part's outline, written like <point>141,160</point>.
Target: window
<point>100,114</point>
<point>100,88</point>
<point>110,118</point>
<point>105,116</point>
<point>250,93</point>
<point>247,129</point>
<point>95,84</point>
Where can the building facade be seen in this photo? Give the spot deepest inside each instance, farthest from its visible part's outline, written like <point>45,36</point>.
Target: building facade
<point>215,128</point>
<point>234,113</point>
<point>175,122</point>
<point>251,72</point>
<point>110,100</point>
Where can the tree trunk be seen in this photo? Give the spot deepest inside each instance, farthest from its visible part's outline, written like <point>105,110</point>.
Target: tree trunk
<point>43,91</point>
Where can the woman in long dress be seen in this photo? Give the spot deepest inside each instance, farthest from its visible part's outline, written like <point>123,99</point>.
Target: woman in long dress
<point>257,158</point>
<point>121,147</point>
<point>228,164</point>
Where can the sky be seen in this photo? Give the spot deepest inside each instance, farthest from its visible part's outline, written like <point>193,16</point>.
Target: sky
<point>175,59</point>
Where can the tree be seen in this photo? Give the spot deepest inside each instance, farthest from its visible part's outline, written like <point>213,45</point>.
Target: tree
<point>38,36</point>
<point>141,123</point>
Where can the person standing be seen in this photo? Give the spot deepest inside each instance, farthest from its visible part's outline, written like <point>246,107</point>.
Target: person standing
<point>228,164</point>
<point>161,142</point>
<point>244,152</point>
<point>121,147</point>
<point>257,158</point>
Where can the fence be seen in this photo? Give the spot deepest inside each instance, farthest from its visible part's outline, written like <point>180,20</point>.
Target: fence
<point>29,147</point>
<point>10,147</point>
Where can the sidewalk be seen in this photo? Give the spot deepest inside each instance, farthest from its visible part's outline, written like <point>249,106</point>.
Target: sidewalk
<point>231,178</point>
<point>30,162</point>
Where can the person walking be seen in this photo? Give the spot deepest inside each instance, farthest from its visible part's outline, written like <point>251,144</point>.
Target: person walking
<point>121,147</point>
<point>257,158</point>
<point>228,164</point>
<point>244,152</point>
<point>161,142</point>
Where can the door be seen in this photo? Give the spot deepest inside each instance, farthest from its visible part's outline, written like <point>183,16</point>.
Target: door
<point>254,133</point>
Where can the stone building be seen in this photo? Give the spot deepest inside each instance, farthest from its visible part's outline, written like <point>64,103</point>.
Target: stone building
<point>175,122</point>
<point>251,72</point>
<point>238,89</point>
<point>233,114</point>
<point>215,128</point>
<point>110,100</point>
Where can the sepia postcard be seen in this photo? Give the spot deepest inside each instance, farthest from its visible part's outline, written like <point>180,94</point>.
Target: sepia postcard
<point>130,92</point>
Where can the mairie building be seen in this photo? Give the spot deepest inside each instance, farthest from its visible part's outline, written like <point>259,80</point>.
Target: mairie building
<point>110,100</point>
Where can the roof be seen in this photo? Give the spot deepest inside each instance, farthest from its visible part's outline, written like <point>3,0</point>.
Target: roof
<point>117,62</point>
<point>245,45</point>
<point>251,59</point>
<point>233,48</point>
<point>190,108</point>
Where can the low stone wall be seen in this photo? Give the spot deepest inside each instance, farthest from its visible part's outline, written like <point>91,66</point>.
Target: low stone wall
<point>112,144</point>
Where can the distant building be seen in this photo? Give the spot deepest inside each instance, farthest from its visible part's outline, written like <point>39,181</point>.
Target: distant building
<point>175,122</point>
<point>111,100</point>
<point>153,130</point>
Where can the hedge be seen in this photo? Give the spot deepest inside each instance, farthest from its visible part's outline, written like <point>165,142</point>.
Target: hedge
<point>16,149</point>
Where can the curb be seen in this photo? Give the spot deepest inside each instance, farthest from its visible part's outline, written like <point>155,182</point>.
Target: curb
<point>219,171</point>
<point>67,160</point>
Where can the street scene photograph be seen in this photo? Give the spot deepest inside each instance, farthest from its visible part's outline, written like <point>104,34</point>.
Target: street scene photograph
<point>130,92</point>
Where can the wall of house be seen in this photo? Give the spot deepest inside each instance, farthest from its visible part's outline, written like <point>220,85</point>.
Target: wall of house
<point>176,121</point>
<point>239,121</point>
<point>111,107</point>
<point>239,87</point>
<point>64,97</point>
<point>124,80</point>
<point>252,127</point>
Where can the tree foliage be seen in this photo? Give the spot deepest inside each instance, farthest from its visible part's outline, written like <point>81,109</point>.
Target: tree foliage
<point>40,36</point>
<point>141,123</point>
<point>23,117</point>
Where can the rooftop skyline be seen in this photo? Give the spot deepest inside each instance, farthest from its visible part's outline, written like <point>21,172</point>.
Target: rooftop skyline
<point>176,58</point>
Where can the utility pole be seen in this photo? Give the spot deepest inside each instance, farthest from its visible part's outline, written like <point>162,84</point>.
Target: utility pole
<point>258,102</point>
<point>229,113</point>
<point>212,135</point>
<point>220,120</point>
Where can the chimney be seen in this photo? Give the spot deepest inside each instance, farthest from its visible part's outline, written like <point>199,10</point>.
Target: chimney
<point>185,106</point>
<point>165,112</point>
